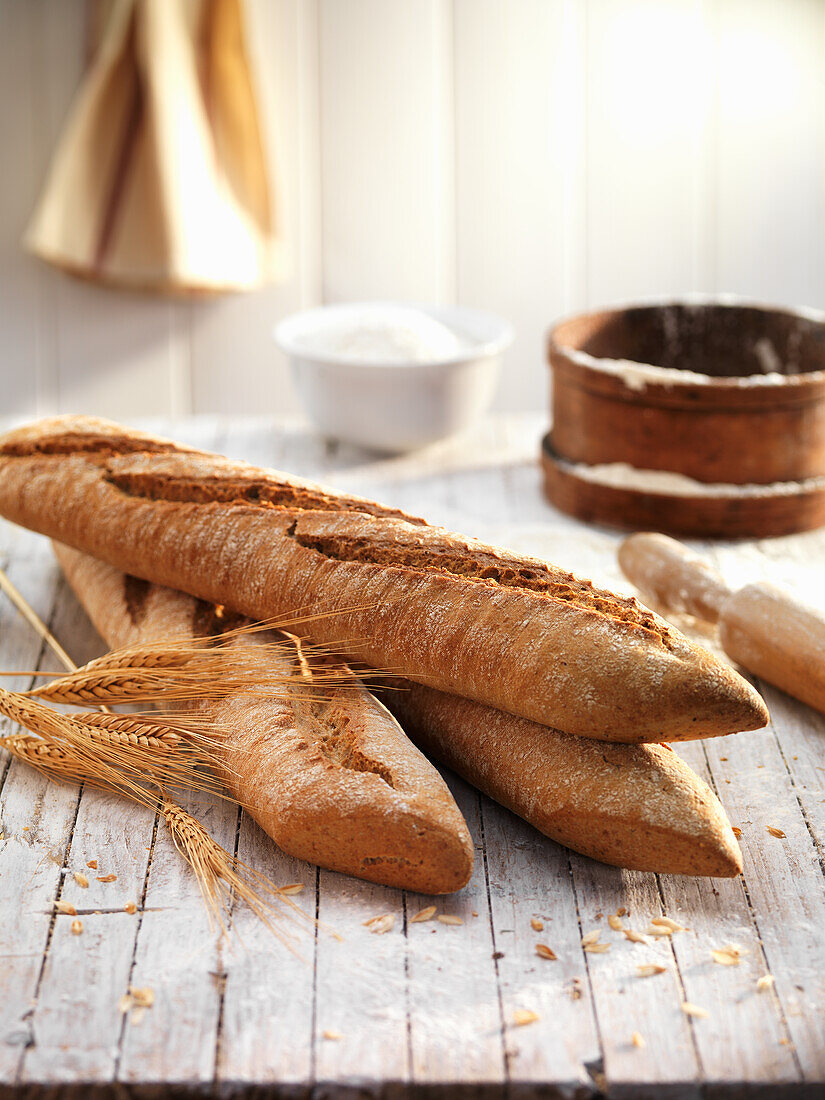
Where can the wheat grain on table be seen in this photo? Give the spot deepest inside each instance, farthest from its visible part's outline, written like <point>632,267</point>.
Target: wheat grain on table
<point>427,1008</point>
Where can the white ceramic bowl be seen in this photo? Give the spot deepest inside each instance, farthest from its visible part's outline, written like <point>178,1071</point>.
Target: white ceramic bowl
<point>395,406</point>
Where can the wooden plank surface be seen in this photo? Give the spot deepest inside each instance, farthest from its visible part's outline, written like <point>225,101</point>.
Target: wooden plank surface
<point>456,1022</point>
<point>36,823</point>
<point>426,1006</point>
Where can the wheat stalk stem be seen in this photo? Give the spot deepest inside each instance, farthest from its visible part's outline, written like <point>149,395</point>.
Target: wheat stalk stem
<point>221,875</point>
<point>186,673</point>
<point>131,754</point>
<point>34,620</point>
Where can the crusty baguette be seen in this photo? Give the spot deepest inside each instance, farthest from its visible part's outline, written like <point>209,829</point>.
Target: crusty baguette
<point>333,782</point>
<point>451,613</point>
<point>634,806</point>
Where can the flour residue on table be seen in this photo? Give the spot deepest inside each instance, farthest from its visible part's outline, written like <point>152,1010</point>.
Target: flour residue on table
<point>621,475</point>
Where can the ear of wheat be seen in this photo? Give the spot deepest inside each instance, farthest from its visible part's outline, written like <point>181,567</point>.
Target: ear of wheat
<point>149,673</point>
<point>53,762</point>
<point>170,671</point>
<point>134,729</point>
<point>118,750</point>
<point>62,764</point>
<point>141,755</point>
<point>138,757</point>
<point>221,875</point>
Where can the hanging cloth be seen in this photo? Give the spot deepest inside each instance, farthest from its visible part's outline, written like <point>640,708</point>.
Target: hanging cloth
<point>159,180</point>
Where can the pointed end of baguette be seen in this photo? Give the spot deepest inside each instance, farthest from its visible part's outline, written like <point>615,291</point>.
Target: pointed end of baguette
<point>698,838</point>
<point>711,699</point>
<point>704,846</point>
<point>662,817</point>
<point>423,848</point>
<point>713,853</point>
<point>727,861</point>
<point>438,855</point>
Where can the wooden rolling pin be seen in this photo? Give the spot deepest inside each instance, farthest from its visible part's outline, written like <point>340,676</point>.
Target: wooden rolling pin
<point>761,627</point>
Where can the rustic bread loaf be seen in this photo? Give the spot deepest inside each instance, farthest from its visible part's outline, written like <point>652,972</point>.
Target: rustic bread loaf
<point>451,613</point>
<point>328,774</point>
<point>634,806</point>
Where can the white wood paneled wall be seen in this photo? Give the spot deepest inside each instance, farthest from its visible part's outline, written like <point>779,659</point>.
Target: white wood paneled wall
<point>532,157</point>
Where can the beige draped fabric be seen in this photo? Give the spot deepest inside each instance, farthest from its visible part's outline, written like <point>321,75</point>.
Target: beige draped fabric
<point>159,180</point>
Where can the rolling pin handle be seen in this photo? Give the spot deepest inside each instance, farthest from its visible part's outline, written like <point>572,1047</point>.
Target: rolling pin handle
<point>672,576</point>
<point>767,631</point>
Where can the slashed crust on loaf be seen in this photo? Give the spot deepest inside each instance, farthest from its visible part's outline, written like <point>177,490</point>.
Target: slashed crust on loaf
<point>295,765</point>
<point>220,481</point>
<point>188,476</point>
<point>328,773</point>
<point>449,612</point>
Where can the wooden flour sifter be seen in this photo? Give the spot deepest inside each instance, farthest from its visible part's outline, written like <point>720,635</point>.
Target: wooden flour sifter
<point>760,626</point>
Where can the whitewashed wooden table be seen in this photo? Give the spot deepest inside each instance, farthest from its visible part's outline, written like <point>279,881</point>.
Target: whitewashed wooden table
<point>426,1009</point>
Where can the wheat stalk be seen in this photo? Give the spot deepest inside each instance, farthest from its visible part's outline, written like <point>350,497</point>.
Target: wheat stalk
<point>60,764</point>
<point>114,752</point>
<point>134,755</point>
<point>174,673</point>
<point>126,675</point>
<point>221,875</point>
<point>84,750</point>
<point>134,730</point>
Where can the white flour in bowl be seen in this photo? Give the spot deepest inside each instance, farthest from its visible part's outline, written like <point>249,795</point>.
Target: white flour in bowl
<point>385,334</point>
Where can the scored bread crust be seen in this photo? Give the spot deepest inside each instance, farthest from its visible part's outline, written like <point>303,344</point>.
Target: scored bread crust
<point>329,774</point>
<point>633,806</point>
<point>448,612</point>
